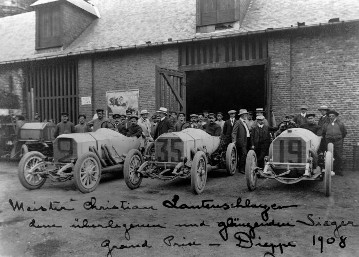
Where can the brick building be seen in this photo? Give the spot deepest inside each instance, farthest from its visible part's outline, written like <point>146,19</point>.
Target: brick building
<point>277,54</point>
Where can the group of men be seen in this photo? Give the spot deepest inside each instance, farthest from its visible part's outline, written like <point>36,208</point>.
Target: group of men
<point>245,132</point>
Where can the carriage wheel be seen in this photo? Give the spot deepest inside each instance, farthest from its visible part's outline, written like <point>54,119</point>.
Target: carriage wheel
<point>87,172</point>
<point>198,172</point>
<point>328,171</point>
<point>133,161</point>
<point>231,159</point>
<point>28,161</point>
<point>251,165</point>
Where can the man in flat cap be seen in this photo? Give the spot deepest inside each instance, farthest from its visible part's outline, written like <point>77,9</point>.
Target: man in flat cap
<point>134,130</point>
<point>164,125</point>
<point>260,139</point>
<point>334,132</point>
<point>220,120</point>
<point>193,121</point>
<point>301,118</point>
<point>181,124</point>
<point>65,126</point>
<point>82,127</point>
<point>211,127</point>
<point>311,125</point>
<point>96,123</point>
<point>241,137</point>
<point>120,123</point>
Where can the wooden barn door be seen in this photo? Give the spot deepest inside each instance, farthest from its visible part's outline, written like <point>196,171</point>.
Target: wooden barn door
<point>170,89</point>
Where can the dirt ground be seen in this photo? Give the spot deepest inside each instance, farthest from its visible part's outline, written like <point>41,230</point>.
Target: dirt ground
<point>311,225</point>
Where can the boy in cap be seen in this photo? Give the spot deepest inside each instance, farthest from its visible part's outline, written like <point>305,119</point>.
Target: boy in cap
<point>181,124</point>
<point>301,118</point>
<point>134,130</point>
<point>260,139</point>
<point>82,127</point>
<point>164,125</point>
<point>65,126</point>
<point>211,127</point>
<point>220,120</point>
<point>311,125</point>
<point>96,123</point>
<point>334,132</point>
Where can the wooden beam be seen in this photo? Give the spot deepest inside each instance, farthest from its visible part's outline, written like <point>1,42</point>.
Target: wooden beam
<point>223,65</point>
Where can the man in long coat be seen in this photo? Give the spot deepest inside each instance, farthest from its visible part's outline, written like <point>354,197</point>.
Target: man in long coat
<point>164,125</point>
<point>260,139</point>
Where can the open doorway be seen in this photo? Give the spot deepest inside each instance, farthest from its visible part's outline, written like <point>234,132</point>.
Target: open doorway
<point>220,90</point>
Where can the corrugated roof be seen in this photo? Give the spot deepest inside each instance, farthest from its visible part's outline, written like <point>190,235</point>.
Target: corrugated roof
<point>126,23</point>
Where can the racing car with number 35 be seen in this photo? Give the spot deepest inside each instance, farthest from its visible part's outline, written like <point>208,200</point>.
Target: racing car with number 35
<point>187,153</point>
<point>293,157</point>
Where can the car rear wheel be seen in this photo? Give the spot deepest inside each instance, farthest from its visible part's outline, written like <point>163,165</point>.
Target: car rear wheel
<point>231,159</point>
<point>251,175</point>
<point>29,166</point>
<point>87,172</point>
<point>328,173</point>
<point>198,172</point>
<point>133,161</point>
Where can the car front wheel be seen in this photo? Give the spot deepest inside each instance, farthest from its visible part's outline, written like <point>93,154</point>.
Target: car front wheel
<point>87,172</point>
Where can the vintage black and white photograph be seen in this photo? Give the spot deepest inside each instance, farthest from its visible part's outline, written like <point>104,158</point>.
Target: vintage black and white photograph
<point>179,128</point>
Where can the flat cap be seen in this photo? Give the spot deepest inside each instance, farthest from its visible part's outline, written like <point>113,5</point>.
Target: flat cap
<point>232,111</point>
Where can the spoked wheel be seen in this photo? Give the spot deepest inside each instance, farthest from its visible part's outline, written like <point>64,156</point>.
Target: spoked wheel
<point>87,172</point>
<point>133,161</point>
<point>198,172</point>
<point>29,166</point>
<point>328,173</point>
<point>231,159</point>
<point>251,175</point>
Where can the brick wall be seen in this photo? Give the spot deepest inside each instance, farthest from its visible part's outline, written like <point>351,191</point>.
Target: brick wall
<point>318,67</point>
<point>126,70</point>
<point>75,21</point>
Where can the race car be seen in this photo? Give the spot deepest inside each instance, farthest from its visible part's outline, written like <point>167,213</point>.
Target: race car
<point>82,157</point>
<point>187,153</point>
<point>293,157</point>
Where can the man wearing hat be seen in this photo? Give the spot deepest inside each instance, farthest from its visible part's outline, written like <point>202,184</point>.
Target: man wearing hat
<point>120,123</point>
<point>241,136</point>
<point>311,125</point>
<point>134,130</point>
<point>82,127</point>
<point>228,128</point>
<point>96,123</point>
<point>334,132</point>
<point>301,118</point>
<point>324,118</point>
<point>181,124</point>
<point>193,121</point>
<point>145,124</point>
<point>205,116</point>
<point>65,126</point>
<point>259,111</point>
<point>220,120</point>
<point>164,125</point>
<point>260,139</point>
<point>211,127</point>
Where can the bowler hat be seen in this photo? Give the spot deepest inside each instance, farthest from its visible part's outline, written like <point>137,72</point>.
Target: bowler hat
<point>242,111</point>
<point>333,112</point>
<point>323,107</point>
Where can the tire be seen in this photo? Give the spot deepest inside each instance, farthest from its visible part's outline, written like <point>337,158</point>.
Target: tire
<point>28,161</point>
<point>251,176</point>
<point>231,159</point>
<point>87,172</point>
<point>199,172</point>
<point>327,174</point>
<point>132,162</point>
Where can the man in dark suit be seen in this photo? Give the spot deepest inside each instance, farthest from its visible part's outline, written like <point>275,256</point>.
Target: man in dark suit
<point>164,125</point>
<point>301,118</point>
<point>241,136</point>
<point>260,139</point>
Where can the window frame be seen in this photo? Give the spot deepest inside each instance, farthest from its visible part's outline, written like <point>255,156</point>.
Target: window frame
<point>218,20</point>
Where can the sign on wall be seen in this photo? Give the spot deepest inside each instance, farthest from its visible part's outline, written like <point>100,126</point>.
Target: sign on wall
<point>85,100</point>
<point>119,101</point>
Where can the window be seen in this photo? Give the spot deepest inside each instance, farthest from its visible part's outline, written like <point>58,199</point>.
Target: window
<point>215,11</point>
<point>49,27</point>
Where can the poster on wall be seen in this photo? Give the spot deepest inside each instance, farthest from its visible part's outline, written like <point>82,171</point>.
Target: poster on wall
<point>119,101</point>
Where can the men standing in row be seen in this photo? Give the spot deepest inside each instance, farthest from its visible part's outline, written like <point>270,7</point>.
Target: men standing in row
<point>164,125</point>
<point>260,138</point>
<point>65,126</point>
<point>241,137</point>
<point>301,118</point>
<point>211,127</point>
<point>334,132</point>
